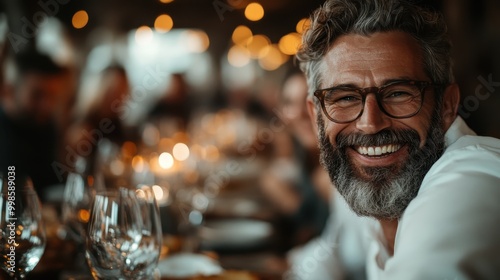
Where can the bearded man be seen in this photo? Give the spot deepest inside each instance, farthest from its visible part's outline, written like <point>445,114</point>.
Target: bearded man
<point>382,94</point>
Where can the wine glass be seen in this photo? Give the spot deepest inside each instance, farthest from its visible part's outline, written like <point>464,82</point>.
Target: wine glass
<point>142,263</point>
<point>21,228</point>
<point>114,232</point>
<point>78,195</point>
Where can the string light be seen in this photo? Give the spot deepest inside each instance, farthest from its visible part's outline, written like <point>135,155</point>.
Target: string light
<point>241,34</point>
<point>289,44</point>
<point>196,41</point>
<point>143,35</point>
<point>80,19</point>
<point>272,58</point>
<point>238,56</point>
<point>302,25</point>
<point>166,160</point>
<point>254,12</point>
<point>164,23</point>
<point>180,151</point>
<point>257,43</point>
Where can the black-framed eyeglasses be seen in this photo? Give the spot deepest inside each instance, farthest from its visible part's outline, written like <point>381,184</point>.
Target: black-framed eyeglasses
<point>398,99</point>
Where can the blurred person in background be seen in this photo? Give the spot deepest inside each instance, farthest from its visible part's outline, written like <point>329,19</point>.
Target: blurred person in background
<point>175,104</point>
<point>99,115</point>
<point>295,182</point>
<point>33,99</point>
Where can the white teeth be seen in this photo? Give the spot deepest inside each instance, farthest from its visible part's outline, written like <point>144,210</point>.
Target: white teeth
<point>378,150</point>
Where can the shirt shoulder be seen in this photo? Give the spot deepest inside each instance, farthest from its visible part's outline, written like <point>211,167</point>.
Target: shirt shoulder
<point>470,159</point>
<point>451,230</point>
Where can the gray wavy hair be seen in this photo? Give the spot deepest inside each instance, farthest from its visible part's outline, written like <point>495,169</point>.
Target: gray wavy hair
<point>340,17</point>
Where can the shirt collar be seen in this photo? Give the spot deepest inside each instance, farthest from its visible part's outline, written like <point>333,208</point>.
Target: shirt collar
<point>457,129</point>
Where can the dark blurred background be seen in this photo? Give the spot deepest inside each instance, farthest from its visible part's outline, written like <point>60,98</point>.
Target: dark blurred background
<point>474,27</point>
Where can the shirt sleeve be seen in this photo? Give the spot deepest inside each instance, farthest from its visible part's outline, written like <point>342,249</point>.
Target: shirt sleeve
<point>451,230</point>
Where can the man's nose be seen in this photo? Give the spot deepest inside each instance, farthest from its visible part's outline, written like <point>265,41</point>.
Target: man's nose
<point>373,119</point>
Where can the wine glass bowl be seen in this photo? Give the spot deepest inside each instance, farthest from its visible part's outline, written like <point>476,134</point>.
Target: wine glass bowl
<point>141,263</point>
<point>22,231</point>
<point>124,235</point>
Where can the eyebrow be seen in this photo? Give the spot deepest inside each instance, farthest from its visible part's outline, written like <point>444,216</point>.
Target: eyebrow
<point>384,82</point>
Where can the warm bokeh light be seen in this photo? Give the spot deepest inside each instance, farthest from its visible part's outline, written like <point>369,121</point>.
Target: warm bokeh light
<point>180,151</point>
<point>80,19</point>
<point>254,11</point>
<point>158,191</point>
<point>302,25</point>
<point>90,180</point>
<point>117,167</point>
<point>241,34</point>
<point>289,44</point>
<point>138,164</point>
<point>196,41</point>
<point>272,58</point>
<point>257,43</point>
<point>238,56</point>
<point>166,160</point>
<point>153,162</point>
<point>166,1</point>
<point>143,35</point>
<point>164,23</point>
<point>83,215</point>
<point>140,193</point>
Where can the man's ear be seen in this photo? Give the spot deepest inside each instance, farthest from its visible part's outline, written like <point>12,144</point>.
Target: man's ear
<point>312,111</point>
<point>451,99</point>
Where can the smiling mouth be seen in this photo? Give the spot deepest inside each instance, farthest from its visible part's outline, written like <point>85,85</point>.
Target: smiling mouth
<point>378,150</point>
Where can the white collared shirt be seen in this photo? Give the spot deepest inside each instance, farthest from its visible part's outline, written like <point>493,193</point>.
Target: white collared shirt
<point>451,230</point>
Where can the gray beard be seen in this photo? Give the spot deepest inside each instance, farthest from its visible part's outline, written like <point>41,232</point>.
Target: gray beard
<point>390,189</point>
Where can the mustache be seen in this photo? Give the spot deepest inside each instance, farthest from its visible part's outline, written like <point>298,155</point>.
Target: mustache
<point>383,137</point>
